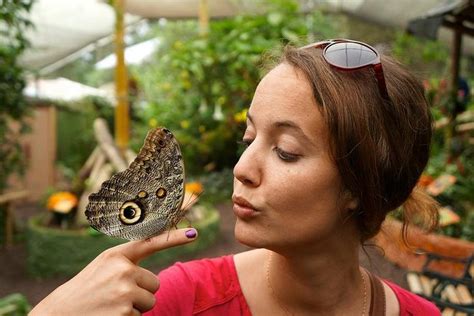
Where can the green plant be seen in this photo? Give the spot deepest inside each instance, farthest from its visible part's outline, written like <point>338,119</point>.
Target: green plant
<point>197,86</point>
<point>217,186</point>
<point>75,133</point>
<point>3,212</point>
<point>54,251</point>
<point>460,196</point>
<point>14,304</point>
<point>13,107</point>
<point>426,57</point>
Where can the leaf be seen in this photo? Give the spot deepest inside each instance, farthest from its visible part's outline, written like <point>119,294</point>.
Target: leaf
<point>275,18</point>
<point>13,104</point>
<point>290,36</point>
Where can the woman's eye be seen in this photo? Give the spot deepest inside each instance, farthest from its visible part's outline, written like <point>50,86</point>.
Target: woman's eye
<point>286,156</point>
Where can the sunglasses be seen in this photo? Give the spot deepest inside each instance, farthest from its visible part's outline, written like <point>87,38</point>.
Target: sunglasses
<point>347,55</point>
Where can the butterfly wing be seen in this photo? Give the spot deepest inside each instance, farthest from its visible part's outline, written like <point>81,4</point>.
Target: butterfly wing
<point>145,199</point>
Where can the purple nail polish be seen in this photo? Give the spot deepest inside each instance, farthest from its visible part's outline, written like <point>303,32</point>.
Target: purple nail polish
<point>191,233</point>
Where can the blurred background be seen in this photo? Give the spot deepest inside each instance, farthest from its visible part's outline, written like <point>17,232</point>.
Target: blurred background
<point>82,81</point>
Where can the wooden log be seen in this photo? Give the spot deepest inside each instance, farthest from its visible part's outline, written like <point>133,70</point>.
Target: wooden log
<point>106,143</point>
<point>87,167</point>
<point>7,199</point>
<point>114,157</point>
<point>414,283</point>
<point>102,133</point>
<point>448,312</point>
<point>465,296</point>
<point>465,127</point>
<point>441,123</point>
<point>11,196</point>
<point>99,163</point>
<point>466,116</point>
<point>130,155</point>
<point>452,294</point>
<point>427,285</point>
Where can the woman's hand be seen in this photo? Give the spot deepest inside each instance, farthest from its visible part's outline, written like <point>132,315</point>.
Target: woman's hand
<point>113,283</point>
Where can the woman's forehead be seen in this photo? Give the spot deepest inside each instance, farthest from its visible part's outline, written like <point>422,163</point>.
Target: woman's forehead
<point>284,93</point>
<point>285,75</point>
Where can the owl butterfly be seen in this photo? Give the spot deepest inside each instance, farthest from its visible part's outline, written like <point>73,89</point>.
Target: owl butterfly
<point>145,199</point>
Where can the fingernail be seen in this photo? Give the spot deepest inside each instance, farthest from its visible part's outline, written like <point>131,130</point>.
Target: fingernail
<point>191,233</point>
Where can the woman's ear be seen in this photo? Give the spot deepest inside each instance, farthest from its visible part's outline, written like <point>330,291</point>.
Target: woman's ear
<point>351,202</point>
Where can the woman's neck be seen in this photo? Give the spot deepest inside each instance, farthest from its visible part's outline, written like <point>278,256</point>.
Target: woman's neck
<point>321,281</point>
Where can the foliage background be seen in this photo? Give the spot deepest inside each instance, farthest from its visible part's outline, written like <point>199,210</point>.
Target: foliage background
<point>199,87</point>
<point>49,249</point>
<point>13,107</point>
<point>75,135</point>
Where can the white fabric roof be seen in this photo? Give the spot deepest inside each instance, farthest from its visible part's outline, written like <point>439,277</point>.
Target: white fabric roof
<point>397,13</point>
<point>62,89</point>
<point>189,8</point>
<point>64,27</point>
<point>134,54</point>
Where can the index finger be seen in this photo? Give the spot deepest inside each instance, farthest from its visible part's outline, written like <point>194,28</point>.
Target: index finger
<point>136,251</point>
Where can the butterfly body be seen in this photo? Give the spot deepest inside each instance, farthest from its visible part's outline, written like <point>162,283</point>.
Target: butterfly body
<point>145,199</point>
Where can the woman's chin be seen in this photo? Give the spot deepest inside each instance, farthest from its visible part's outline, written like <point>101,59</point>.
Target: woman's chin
<point>249,235</point>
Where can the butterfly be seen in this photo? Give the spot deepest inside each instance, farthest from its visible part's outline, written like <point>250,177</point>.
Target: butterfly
<point>145,199</point>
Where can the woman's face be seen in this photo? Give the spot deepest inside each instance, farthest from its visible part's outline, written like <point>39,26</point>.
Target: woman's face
<point>287,190</point>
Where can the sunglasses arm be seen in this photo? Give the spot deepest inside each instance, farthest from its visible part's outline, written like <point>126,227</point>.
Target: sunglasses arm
<point>381,81</point>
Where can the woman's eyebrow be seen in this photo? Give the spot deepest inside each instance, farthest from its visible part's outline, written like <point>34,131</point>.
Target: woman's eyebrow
<point>290,125</point>
<point>287,124</point>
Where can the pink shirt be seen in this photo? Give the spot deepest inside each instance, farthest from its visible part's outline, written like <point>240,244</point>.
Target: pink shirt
<point>210,287</point>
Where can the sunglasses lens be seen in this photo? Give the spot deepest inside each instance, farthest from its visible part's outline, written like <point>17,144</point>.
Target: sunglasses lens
<point>349,55</point>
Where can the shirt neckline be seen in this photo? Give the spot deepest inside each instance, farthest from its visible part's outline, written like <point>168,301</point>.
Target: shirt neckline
<point>235,279</point>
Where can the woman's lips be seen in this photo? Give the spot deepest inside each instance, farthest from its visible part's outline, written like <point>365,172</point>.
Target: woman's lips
<point>243,209</point>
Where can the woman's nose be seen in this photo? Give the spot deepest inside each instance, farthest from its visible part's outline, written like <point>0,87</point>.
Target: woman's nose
<point>248,168</point>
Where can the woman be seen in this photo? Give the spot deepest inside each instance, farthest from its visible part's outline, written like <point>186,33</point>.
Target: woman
<point>333,145</point>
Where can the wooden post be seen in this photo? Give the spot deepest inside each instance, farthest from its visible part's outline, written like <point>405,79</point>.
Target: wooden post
<point>455,65</point>
<point>203,17</point>
<point>122,119</point>
<point>456,60</point>
<point>6,200</point>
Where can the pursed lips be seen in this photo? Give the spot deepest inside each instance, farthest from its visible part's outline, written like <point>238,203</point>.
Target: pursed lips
<point>242,202</point>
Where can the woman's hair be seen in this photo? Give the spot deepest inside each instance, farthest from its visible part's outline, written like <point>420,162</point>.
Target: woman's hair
<point>379,147</point>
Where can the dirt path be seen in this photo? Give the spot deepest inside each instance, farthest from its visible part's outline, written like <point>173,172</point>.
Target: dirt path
<point>14,278</point>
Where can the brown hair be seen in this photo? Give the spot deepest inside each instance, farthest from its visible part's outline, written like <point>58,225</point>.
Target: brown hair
<point>379,147</point>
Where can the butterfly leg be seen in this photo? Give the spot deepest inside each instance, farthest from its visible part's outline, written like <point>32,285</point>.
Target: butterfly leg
<point>189,220</point>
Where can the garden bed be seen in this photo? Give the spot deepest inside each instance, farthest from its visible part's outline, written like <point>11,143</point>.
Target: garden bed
<point>56,252</point>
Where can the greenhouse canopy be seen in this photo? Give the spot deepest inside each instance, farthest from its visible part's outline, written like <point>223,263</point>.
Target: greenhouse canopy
<point>66,29</point>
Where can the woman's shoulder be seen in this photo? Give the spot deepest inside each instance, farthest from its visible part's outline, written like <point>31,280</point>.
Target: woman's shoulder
<point>206,265</point>
<point>188,288</point>
<point>412,304</point>
<point>214,276</point>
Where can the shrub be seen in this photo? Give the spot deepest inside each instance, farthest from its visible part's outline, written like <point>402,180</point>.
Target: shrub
<point>197,86</point>
<point>14,108</point>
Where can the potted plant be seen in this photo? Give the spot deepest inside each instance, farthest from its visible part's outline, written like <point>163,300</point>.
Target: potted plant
<point>58,246</point>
